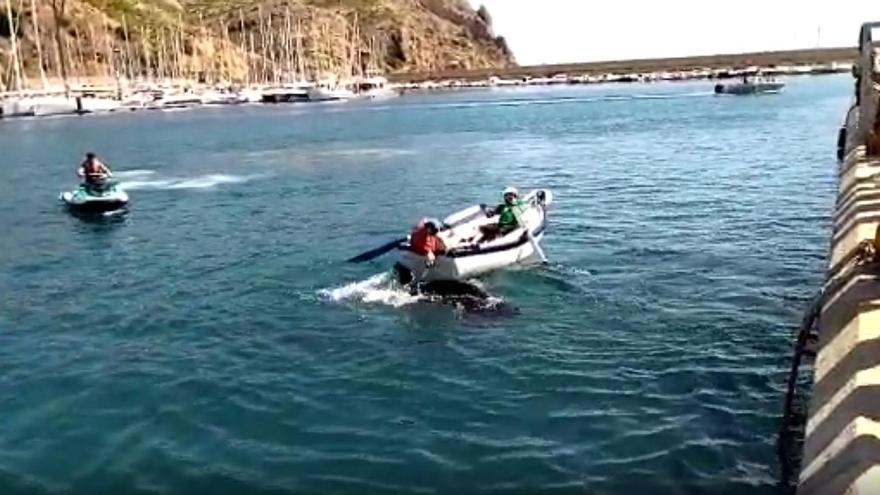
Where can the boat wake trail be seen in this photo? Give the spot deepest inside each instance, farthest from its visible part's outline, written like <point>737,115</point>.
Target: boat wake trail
<point>130,174</point>
<point>202,182</point>
<point>378,289</point>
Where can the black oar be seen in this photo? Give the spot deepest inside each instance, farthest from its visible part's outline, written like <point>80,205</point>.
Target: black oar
<point>379,251</point>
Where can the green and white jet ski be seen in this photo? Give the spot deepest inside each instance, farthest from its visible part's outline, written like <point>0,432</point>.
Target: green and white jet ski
<point>98,197</point>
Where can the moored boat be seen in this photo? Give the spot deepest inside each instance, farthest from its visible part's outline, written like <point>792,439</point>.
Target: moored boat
<point>330,90</point>
<point>465,258</point>
<point>375,87</point>
<point>288,93</point>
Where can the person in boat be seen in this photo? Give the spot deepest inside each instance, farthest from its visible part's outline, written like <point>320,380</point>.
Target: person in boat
<point>508,213</point>
<point>93,171</point>
<point>424,240</point>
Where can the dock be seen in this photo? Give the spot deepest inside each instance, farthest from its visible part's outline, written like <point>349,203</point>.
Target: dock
<point>841,435</point>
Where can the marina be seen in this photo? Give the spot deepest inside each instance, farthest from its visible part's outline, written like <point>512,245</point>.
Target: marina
<point>145,95</point>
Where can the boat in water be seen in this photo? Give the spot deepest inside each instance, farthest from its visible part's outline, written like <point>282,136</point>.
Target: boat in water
<point>748,86</point>
<point>297,92</point>
<point>465,258</point>
<point>96,198</point>
<point>375,87</point>
<point>330,90</point>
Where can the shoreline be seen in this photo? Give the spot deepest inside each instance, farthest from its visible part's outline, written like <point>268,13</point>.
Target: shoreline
<point>102,94</point>
<point>817,56</point>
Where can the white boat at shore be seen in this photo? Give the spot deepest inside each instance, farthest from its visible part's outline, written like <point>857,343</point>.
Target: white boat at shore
<point>497,82</point>
<point>220,97</point>
<point>375,87</point>
<point>175,100</point>
<point>330,91</point>
<point>44,105</point>
<point>98,105</point>
<point>465,259</point>
<point>287,93</point>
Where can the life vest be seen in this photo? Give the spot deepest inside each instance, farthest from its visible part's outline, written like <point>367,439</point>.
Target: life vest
<point>92,167</point>
<point>507,214</point>
<point>422,242</point>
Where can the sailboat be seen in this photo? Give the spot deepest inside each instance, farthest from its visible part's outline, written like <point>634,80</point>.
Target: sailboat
<point>46,101</point>
<point>330,87</point>
<point>373,84</point>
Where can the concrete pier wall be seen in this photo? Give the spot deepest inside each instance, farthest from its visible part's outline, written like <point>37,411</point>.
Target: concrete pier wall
<point>842,438</point>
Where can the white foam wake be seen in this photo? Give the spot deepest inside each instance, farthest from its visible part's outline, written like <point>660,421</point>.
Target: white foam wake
<point>378,289</point>
<point>128,174</point>
<point>203,182</point>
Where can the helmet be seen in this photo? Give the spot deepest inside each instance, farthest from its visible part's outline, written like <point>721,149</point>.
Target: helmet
<point>91,155</point>
<point>510,190</point>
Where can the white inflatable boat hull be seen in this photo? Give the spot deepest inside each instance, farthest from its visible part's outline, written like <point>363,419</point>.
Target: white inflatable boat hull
<point>464,260</point>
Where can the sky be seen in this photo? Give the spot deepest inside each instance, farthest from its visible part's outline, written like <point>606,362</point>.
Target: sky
<point>562,31</point>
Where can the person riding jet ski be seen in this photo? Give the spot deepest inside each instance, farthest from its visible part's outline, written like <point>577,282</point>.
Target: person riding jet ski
<point>94,172</point>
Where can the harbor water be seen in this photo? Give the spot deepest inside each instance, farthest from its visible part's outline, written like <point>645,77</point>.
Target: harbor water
<point>213,340</point>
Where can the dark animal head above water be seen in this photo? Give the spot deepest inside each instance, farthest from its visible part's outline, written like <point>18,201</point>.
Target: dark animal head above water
<point>464,295</point>
<point>468,297</point>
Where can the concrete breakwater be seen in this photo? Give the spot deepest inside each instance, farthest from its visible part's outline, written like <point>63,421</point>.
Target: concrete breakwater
<point>841,451</point>
<point>820,57</point>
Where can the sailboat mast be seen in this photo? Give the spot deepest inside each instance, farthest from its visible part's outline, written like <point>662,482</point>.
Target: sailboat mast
<point>227,65</point>
<point>251,48</point>
<point>247,50</point>
<point>175,45</point>
<point>300,63</point>
<point>35,18</point>
<point>80,54</point>
<point>128,62</point>
<point>147,55</point>
<point>16,63</point>
<point>110,53</point>
<point>288,59</point>
<point>96,59</point>
<point>263,67</point>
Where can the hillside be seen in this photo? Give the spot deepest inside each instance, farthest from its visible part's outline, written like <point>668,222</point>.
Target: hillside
<point>246,41</point>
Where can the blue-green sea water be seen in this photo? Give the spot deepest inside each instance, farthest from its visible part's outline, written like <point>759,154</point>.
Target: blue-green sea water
<point>214,341</point>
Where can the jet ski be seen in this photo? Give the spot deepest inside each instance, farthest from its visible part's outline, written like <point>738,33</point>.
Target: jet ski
<point>97,197</point>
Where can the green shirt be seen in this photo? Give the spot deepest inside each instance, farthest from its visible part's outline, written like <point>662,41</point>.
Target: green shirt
<point>506,214</point>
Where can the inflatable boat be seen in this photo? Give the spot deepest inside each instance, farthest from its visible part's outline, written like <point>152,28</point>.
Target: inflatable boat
<point>466,257</point>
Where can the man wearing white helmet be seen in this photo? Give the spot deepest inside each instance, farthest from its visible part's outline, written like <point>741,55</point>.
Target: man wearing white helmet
<point>507,212</point>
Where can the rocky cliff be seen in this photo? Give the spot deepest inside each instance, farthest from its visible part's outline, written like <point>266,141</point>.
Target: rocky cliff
<point>243,41</point>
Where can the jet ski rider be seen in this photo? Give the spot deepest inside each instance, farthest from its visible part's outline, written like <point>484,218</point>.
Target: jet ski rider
<point>93,171</point>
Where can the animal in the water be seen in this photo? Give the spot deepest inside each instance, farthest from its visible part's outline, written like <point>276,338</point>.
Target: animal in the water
<point>467,295</point>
